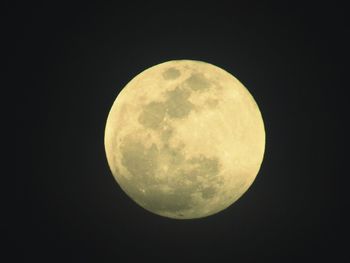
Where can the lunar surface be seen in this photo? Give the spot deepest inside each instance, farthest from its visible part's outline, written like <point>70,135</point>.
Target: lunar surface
<point>184,139</point>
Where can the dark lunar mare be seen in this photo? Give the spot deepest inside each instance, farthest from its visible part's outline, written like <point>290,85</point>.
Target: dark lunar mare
<point>183,175</point>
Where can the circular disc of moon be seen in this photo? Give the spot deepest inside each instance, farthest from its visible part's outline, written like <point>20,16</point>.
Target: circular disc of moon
<point>184,139</point>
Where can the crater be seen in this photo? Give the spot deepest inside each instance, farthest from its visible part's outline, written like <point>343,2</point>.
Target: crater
<point>171,73</point>
<point>198,82</point>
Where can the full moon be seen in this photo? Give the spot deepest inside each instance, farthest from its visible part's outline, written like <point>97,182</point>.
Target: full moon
<point>184,139</point>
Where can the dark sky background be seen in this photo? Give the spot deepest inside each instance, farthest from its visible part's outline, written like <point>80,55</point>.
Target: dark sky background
<point>72,60</point>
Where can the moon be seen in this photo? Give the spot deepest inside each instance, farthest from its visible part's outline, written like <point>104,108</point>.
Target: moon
<point>184,139</point>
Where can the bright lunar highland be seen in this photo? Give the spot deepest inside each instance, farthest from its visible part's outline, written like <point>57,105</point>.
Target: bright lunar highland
<point>184,139</point>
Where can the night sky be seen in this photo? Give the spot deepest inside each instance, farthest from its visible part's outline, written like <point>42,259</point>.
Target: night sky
<point>71,61</point>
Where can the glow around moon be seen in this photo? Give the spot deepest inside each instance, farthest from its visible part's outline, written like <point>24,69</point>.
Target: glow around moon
<point>184,139</point>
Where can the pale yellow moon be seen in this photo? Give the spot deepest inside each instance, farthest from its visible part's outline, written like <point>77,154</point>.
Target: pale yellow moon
<point>184,139</point>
